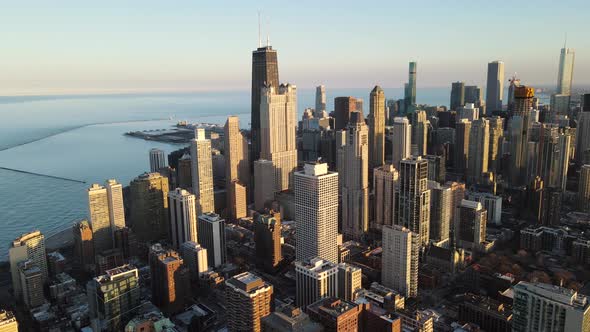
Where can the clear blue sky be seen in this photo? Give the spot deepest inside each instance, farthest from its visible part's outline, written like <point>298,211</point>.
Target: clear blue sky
<point>98,46</point>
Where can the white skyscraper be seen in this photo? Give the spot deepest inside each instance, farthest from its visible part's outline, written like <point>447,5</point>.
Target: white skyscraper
<point>355,178</point>
<point>399,266</point>
<point>315,278</point>
<point>183,217</point>
<point>195,258</point>
<point>278,122</point>
<point>211,235</point>
<point>99,216</point>
<point>316,213</point>
<point>545,307</point>
<point>116,208</point>
<point>495,86</point>
<point>202,172</point>
<point>320,102</point>
<point>401,141</point>
<point>157,160</point>
<point>565,74</point>
<point>30,246</point>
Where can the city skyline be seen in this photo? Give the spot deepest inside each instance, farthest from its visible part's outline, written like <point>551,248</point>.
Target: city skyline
<point>121,56</point>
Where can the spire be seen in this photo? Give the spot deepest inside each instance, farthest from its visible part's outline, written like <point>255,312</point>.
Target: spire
<point>259,32</point>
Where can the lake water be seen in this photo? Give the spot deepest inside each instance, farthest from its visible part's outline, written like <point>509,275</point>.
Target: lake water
<point>81,137</point>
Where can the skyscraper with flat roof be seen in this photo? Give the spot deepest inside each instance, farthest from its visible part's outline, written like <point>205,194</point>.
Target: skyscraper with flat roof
<point>457,95</point>
<point>267,237</point>
<point>170,279</point>
<point>248,300</point>
<point>149,207</point>
<point>401,140</point>
<point>83,244</point>
<point>264,185</point>
<point>31,247</point>
<point>265,72</point>
<point>316,213</point>
<point>212,236</point>
<point>195,258</point>
<point>202,172</point>
<point>157,160</point>
<point>399,266</point>
<point>583,131</point>
<point>495,86</point>
<point>315,278</point>
<point>441,212</point>
<point>376,127</point>
<point>98,212</point>
<point>183,217</point>
<point>479,144</point>
<point>237,168</point>
<point>385,181</point>
<point>462,135</point>
<point>471,228</point>
<point>343,107</point>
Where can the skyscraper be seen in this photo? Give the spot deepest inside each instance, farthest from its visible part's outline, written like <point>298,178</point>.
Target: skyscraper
<point>441,212</point>
<point>195,258</point>
<point>583,131</point>
<point>355,187</point>
<point>544,307</point>
<point>462,135</point>
<point>412,208</point>
<point>552,156</point>
<point>320,101</point>
<point>471,228</point>
<point>376,127</point>
<point>202,172</point>
<point>349,281</point>
<point>457,95</point>
<point>316,213</point>
<point>99,215</point>
<point>237,165</point>
<point>264,185</point>
<point>495,86</point>
<point>170,279</point>
<point>410,88</point>
<point>116,208</point>
<point>31,284</point>
<point>183,217</point>
<point>149,207</point>
<point>265,72</point>
<point>420,125</point>
<point>278,122</point>
<point>473,95</point>
<point>584,189</point>
<point>399,266</point>
<point>314,279</point>
<point>113,298</point>
<point>343,108</point>
<point>237,195</point>
<point>401,141</point>
<point>212,237</point>
<point>29,246</point>
<point>267,237</point>
<point>248,299</point>
<point>157,160</point>
<point>479,143</point>
<point>519,125</point>
<point>565,74</point>
<point>496,136</point>
<point>83,244</point>
<point>385,181</point>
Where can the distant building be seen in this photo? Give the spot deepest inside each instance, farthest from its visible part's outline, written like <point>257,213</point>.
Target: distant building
<point>566,71</point>
<point>457,95</point>
<point>400,260</point>
<point>212,237</point>
<point>343,107</point>
<point>248,300</point>
<point>410,89</point>
<point>544,307</point>
<point>583,131</point>
<point>157,160</point>
<point>495,86</point>
<point>202,172</point>
<point>113,298</point>
<point>315,279</point>
<point>377,127</point>
<point>436,168</point>
<point>320,101</point>
<point>27,247</point>
<point>490,202</point>
<point>462,135</point>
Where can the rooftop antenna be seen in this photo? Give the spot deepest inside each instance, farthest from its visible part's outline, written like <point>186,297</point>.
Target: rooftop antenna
<point>267,35</point>
<point>259,32</point>
<point>565,41</point>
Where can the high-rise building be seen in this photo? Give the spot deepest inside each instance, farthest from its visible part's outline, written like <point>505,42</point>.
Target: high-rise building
<point>355,187</point>
<point>248,300</point>
<point>343,107</point>
<point>544,307</point>
<point>462,135</point>
<point>420,125</point>
<point>412,198</point>
<point>566,71</point>
<point>264,185</point>
<point>116,208</point>
<point>495,86</point>
<point>237,166</point>
<point>278,122</point>
<point>584,188</point>
<point>149,207</point>
<point>316,213</point>
<point>113,298</point>
<point>99,215</point>
<point>457,95</point>
<point>385,181</point>
<point>583,131</point>
<point>336,314</point>
<point>519,125</point>
<point>399,266</point>
<point>479,143</point>
<point>267,237</point>
<point>170,279</point>
<point>496,136</point>
<point>8,322</point>
<point>514,83</point>
<point>265,72</point>
<point>437,170</point>
<point>552,154</point>
<point>410,88</point>
<point>31,284</point>
<point>202,172</point>
<point>458,190</point>
<point>27,247</point>
<point>237,196</point>
<point>195,258</point>
<point>490,202</point>
<point>473,95</point>
<point>183,217</point>
<point>212,237</point>
<point>441,212</point>
<point>315,278</point>
<point>471,228</point>
<point>157,160</point>
<point>349,281</point>
<point>83,244</point>
<point>184,177</point>
<point>401,141</point>
<point>320,101</point>
<point>468,112</point>
<point>376,127</point>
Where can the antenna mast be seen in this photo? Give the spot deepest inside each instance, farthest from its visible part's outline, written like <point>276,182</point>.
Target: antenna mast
<point>259,32</point>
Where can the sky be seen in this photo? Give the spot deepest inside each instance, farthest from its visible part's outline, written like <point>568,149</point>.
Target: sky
<point>56,47</point>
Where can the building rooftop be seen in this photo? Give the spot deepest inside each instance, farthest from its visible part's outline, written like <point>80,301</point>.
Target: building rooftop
<point>555,293</point>
<point>19,241</point>
<point>332,306</point>
<point>247,282</point>
<point>210,217</point>
<point>316,265</point>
